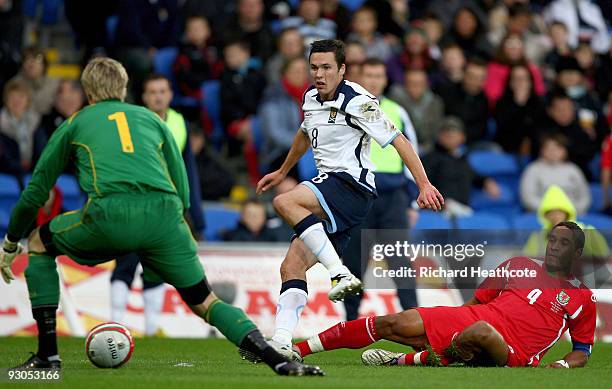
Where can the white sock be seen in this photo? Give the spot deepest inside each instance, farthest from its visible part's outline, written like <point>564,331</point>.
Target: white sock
<point>315,238</point>
<point>153,300</point>
<point>291,303</point>
<point>119,297</point>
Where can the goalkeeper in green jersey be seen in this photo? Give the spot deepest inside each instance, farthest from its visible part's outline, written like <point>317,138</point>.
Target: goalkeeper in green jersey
<point>132,171</point>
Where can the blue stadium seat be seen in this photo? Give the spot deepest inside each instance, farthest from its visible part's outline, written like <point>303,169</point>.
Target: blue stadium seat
<point>74,198</point>
<point>595,167</point>
<point>493,163</point>
<point>596,198</point>
<point>599,221</point>
<point>429,220</point>
<point>483,221</point>
<point>306,166</point>
<point>4,220</point>
<point>479,199</point>
<point>219,219</point>
<point>352,5</point>
<point>9,191</point>
<point>163,61</point>
<point>526,221</point>
<point>211,91</point>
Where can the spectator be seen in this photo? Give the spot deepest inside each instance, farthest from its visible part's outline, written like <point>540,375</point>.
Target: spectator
<point>364,30</point>
<point>570,79</point>
<point>216,180</point>
<point>143,28</point>
<point>584,22</point>
<point>552,168</point>
<point>250,27</point>
<point>468,31</point>
<point>340,14</point>
<point>310,23</point>
<point>290,45</point>
<point>588,63</point>
<point>510,53</point>
<point>33,73</point>
<point>557,33</point>
<point>197,60</point>
<point>252,225</point>
<point>519,113</point>
<point>157,95</point>
<point>280,112</point>
<point>392,17</point>
<point>448,9</point>
<point>448,169</point>
<point>70,98</point>
<point>451,69</point>
<point>426,110</point>
<point>432,25</point>
<point>468,101</point>
<point>355,55</point>
<point>21,141</point>
<point>415,55</point>
<point>562,119</point>
<point>554,208</point>
<point>242,85</point>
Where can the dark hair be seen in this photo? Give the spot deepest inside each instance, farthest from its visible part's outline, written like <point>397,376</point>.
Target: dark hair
<point>519,9</point>
<point>507,89</point>
<point>576,232</point>
<point>373,61</point>
<point>34,52</point>
<point>500,55</point>
<point>558,94</point>
<point>155,77</point>
<point>476,61</point>
<point>237,41</point>
<point>329,46</point>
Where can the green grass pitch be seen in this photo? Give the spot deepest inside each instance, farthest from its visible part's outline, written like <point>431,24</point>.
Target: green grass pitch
<point>216,364</point>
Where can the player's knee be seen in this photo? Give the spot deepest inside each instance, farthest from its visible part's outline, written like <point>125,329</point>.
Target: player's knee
<point>195,294</point>
<point>35,244</point>
<point>282,203</point>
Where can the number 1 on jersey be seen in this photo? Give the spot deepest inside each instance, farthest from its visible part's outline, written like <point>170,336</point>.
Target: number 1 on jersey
<point>124,131</point>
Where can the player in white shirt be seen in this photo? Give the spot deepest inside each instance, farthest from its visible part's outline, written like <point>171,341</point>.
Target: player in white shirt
<point>340,119</point>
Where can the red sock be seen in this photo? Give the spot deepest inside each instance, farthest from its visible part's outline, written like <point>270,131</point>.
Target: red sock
<point>347,334</point>
<point>418,359</point>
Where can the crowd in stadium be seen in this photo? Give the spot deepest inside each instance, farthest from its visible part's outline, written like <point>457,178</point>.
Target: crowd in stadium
<point>508,98</point>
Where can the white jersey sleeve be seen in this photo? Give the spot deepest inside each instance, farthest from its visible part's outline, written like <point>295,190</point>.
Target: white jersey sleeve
<point>365,113</point>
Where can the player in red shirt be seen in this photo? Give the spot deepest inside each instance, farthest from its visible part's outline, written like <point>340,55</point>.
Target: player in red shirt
<point>510,321</point>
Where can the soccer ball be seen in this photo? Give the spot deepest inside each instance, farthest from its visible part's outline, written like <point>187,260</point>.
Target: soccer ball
<point>109,345</point>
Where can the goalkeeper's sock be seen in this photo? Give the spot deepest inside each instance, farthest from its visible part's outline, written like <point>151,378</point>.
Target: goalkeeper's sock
<point>233,323</point>
<point>119,299</point>
<point>311,232</point>
<point>43,280</point>
<point>45,317</point>
<point>347,334</point>
<point>293,299</point>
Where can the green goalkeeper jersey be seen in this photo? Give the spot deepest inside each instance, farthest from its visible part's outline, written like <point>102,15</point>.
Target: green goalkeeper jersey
<point>116,148</point>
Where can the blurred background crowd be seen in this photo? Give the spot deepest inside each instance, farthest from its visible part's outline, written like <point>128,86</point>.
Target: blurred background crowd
<point>509,99</point>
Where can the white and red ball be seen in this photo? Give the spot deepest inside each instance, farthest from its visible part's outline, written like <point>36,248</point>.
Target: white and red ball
<point>109,345</point>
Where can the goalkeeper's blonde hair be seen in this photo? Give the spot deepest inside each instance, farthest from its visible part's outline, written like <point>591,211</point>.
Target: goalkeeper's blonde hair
<point>104,78</point>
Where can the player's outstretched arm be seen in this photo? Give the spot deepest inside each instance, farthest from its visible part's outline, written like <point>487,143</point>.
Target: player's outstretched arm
<point>429,196</point>
<point>298,148</point>
<point>574,359</point>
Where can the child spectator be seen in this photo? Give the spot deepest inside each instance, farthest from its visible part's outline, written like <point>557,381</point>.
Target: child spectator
<point>557,33</point>
<point>415,55</point>
<point>242,84</point>
<point>249,26</point>
<point>34,74</point>
<point>252,225</point>
<point>552,168</point>
<point>290,45</point>
<point>451,69</point>
<point>468,31</point>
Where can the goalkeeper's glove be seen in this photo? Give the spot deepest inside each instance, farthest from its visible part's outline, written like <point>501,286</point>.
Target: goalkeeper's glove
<point>8,252</point>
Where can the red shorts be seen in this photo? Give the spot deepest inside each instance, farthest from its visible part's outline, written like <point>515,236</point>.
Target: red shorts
<point>442,324</point>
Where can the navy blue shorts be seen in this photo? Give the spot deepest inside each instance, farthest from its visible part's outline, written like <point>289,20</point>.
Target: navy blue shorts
<point>345,202</point>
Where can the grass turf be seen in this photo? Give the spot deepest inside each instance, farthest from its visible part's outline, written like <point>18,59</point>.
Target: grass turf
<point>217,364</point>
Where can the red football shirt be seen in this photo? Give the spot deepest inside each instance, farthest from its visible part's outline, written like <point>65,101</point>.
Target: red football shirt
<point>536,311</point>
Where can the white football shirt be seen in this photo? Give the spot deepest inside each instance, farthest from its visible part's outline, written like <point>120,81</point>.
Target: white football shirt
<point>340,131</point>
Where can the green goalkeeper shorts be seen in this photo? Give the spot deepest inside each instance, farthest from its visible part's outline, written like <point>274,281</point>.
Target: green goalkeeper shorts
<point>151,225</point>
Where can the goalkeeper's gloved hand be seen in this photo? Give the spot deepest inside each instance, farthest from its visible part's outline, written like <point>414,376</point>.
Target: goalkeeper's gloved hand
<point>8,252</point>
